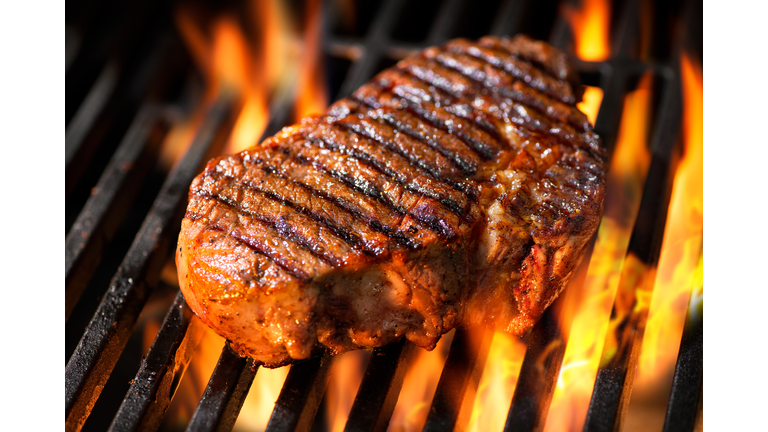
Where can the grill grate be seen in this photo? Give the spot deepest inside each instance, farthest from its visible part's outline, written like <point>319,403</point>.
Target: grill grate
<point>138,85</point>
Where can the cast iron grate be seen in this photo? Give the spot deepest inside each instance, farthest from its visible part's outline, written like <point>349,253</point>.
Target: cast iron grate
<point>121,102</point>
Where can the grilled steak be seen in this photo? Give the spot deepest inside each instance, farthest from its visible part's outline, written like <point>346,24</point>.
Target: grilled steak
<point>458,187</point>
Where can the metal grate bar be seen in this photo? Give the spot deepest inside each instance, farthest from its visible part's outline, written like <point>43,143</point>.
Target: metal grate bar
<point>561,35</point>
<point>225,394</point>
<point>280,115</point>
<point>301,395</point>
<point>507,21</point>
<point>614,84</point>
<point>452,404</point>
<point>106,335</point>
<point>161,370</point>
<point>104,212</point>
<point>377,395</point>
<point>538,375</point>
<point>613,384</point>
<point>375,41</point>
<point>303,390</point>
<point>116,28</point>
<point>615,73</point>
<point>447,17</point>
<point>89,110</point>
<point>683,411</point>
<point>72,42</point>
<point>95,102</point>
<point>627,29</point>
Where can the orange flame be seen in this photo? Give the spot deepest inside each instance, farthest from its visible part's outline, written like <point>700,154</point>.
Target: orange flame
<point>234,66</point>
<point>590,104</point>
<point>419,387</point>
<point>176,142</point>
<point>277,39</point>
<point>195,379</point>
<point>228,64</point>
<point>592,309</point>
<point>346,377</point>
<point>311,96</point>
<point>255,67</point>
<point>497,384</point>
<point>590,27</point>
<point>261,399</point>
<point>680,264</point>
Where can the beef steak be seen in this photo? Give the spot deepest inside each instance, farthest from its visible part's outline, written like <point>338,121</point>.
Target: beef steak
<point>458,187</point>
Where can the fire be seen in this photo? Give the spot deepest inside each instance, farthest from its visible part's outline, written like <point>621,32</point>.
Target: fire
<point>590,104</point>
<point>590,29</point>
<point>346,376</point>
<point>497,385</point>
<point>178,139</point>
<point>257,65</point>
<point>195,379</point>
<point>631,158</point>
<point>227,63</point>
<point>592,308</point>
<point>680,264</point>
<point>261,399</point>
<point>311,95</point>
<point>419,387</point>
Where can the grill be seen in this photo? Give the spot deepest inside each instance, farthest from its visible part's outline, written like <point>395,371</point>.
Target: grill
<point>130,83</point>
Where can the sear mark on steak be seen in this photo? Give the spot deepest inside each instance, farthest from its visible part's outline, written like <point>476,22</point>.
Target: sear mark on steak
<point>458,187</point>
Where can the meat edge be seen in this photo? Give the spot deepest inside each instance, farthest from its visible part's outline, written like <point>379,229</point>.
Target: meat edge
<point>417,295</point>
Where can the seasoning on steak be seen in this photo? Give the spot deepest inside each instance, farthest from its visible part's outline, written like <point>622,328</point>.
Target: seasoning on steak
<point>458,187</point>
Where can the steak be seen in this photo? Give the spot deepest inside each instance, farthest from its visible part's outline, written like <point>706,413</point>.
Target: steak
<point>457,188</point>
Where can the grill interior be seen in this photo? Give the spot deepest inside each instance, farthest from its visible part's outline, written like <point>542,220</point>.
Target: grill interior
<point>130,83</point>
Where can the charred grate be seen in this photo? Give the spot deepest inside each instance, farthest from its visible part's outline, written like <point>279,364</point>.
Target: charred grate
<point>123,96</point>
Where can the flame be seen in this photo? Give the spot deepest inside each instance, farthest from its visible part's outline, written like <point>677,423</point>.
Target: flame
<point>631,158</point>
<point>233,66</point>
<point>177,141</point>
<point>278,38</point>
<point>680,263</point>
<point>590,27</point>
<point>497,384</point>
<point>346,376</point>
<point>419,387</point>
<point>590,104</point>
<point>592,307</point>
<point>195,379</point>
<point>311,96</point>
<point>259,64</point>
<point>261,399</point>
<point>227,62</point>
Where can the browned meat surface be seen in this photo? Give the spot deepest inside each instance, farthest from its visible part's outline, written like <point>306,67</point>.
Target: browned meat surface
<point>457,188</point>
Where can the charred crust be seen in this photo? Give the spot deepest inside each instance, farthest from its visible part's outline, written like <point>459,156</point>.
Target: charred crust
<point>409,177</point>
